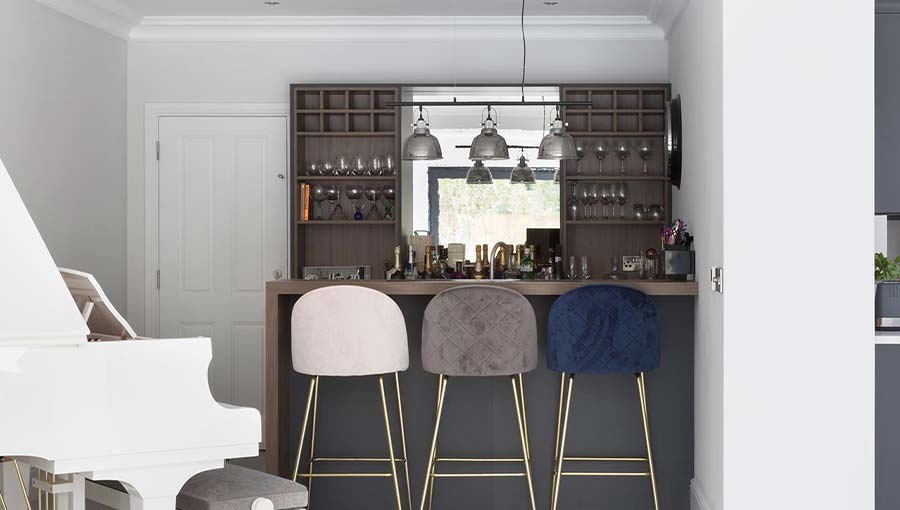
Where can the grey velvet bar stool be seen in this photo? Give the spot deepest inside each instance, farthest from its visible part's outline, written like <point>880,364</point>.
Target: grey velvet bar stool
<point>479,330</point>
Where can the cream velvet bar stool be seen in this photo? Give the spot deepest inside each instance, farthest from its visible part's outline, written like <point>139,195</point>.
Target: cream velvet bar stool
<point>479,330</point>
<point>346,331</point>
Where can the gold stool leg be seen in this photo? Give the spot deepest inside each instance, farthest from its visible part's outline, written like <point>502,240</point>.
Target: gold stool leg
<point>429,472</point>
<point>524,416</point>
<point>562,445</point>
<point>312,442</point>
<point>437,403</point>
<point>22,484</point>
<point>642,392</point>
<point>403,439</point>
<point>390,442</point>
<point>523,435</point>
<point>559,414</point>
<point>312,388</point>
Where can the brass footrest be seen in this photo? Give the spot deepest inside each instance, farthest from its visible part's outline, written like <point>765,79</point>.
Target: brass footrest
<point>476,475</point>
<point>606,459</point>
<point>356,459</point>
<point>463,459</point>
<point>344,475</point>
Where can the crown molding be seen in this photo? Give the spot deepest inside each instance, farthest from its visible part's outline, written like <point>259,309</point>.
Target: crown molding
<point>665,13</point>
<point>887,6</point>
<point>390,28</point>
<point>107,15</point>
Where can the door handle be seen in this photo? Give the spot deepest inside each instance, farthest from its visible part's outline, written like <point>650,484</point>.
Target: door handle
<point>276,274</point>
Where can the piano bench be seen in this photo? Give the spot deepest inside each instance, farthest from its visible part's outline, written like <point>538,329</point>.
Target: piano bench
<point>238,488</point>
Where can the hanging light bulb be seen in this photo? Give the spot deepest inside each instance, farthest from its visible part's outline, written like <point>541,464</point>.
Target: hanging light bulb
<point>421,144</point>
<point>488,145</point>
<point>557,144</point>
<point>479,174</point>
<point>522,173</point>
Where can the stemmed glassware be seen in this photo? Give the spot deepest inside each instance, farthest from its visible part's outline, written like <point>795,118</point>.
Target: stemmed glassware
<point>595,192</point>
<point>333,195</point>
<point>342,165</point>
<point>579,155</point>
<point>359,165</point>
<point>645,150</point>
<point>583,194</point>
<point>601,150</point>
<point>329,168</point>
<point>314,168</point>
<point>388,193</point>
<point>372,193</point>
<point>623,151</point>
<point>319,195</point>
<point>376,166</point>
<point>621,197</point>
<point>390,166</point>
<point>606,198</point>
<point>572,205</point>
<point>354,194</point>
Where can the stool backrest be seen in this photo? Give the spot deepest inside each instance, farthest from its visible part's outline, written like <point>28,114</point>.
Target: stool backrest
<point>600,329</point>
<point>348,330</point>
<point>475,330</point>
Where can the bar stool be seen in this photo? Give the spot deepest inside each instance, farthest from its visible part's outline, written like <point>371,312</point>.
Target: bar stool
<point>346,331</point>
<point>477,330</point>
<point>601,329</point>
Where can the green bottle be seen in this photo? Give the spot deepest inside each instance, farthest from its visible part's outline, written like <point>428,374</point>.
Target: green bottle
<point>527,268</point>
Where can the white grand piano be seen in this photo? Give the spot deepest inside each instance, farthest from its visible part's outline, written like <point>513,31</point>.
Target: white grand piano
<point>82,397</point>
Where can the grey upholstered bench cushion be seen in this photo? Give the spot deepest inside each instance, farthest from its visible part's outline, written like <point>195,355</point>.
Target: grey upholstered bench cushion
<point>235,488</point>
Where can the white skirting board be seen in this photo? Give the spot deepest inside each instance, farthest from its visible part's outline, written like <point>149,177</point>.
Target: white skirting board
<point>698,499</point>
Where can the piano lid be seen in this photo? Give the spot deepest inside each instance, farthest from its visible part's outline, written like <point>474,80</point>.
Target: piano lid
<point>101,316</point>
<point>35,305</point>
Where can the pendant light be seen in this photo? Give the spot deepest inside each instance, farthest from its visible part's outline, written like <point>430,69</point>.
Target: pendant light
<point>557,144</point>
<point>522,173</point>
<point>489,145</point>
<point>479,174</point>
<point>421,144</point>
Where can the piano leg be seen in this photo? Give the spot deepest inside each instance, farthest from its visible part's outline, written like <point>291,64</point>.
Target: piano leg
<point>156,487</point>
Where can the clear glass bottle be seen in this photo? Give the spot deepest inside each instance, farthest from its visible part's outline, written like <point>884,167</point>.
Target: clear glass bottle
<point>526,267</point>
<point>411,273</point>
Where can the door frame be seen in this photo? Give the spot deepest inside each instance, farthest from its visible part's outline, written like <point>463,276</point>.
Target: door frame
<point>153,113</point>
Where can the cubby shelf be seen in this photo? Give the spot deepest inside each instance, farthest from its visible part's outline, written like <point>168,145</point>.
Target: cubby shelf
<point>614,178</point>
<point>310,178</point>
<point>347,222</point>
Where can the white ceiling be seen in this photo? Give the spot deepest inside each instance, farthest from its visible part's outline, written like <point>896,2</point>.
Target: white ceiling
<point>389,7</point>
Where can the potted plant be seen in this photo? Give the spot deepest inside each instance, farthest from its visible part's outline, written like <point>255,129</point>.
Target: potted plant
<point>678,253</point>
<point>887,292</point>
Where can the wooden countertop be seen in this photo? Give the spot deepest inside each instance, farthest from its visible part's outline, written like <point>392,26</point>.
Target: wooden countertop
<point>527,288</point>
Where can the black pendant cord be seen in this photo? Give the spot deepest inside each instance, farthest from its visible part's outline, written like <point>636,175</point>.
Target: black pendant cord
<point>524,48</point>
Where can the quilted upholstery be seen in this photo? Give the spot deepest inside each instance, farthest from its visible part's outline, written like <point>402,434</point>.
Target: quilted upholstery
<point>603,329</point>
<point>348,330</point>
<point>476,330</point>
<point>235,488</point>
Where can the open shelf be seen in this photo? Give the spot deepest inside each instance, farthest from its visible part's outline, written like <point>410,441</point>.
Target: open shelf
<point>615,222</point>
<point>616,178</point>
<point>347,177</point>
<point>347,222</point>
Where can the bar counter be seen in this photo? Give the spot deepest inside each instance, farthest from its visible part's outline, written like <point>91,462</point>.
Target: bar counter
<point>479,417</point>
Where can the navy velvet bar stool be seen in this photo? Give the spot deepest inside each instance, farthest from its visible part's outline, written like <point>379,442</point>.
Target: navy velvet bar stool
<point>601,329</point>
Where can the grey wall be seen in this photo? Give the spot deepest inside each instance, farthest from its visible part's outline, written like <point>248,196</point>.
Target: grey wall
<point>887,113</point>
<point>887,427</point>
<point>479,420</point>
<point>62,135</point>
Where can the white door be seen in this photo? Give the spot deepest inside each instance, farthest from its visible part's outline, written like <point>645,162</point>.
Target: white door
<point>222,234</point>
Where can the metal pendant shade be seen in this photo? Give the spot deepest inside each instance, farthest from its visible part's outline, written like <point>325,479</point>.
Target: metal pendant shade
<point>488,145</point>
<point>421,144</point>
<point>479,174</point>
<point>522,173</point>
<point>558,144</point>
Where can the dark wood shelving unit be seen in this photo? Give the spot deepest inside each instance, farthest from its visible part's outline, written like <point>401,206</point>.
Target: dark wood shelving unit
<point>331,120</point>
<point>631,112</point>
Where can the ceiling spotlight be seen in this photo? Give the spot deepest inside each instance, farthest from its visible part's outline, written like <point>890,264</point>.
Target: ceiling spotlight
<point>421,144</point>
<point>271,3</point>
<point>550,3</point>
<point>557,144</point>
<point>488,145</point>
<point>479,174</point>
<point>522,173</point>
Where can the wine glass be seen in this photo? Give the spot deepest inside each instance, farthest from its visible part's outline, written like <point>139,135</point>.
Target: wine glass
<point>606,198</point>
<point>319,195</point>
<point>372,193</point>
<point>388,193</point>
<point>645,150</point>
<point>354,194</point>
<point>359,166</point>
<point>342,164</point>
<point>314,168</point>
<point>329,168</point>
<point>583,193</point>
<point>623,151</point>
<point>579,154</point>
<point>621,197</point>
<point>601,150</point>
<point>390,166</point>
<point>376,166</point>
<point>333,195</point>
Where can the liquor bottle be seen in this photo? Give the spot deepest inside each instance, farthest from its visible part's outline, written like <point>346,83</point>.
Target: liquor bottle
<point>526,268</point>
<point>557,263</point>
<point>395,273</point>
<point>478,270</point>
<point>485,263</point>
<point>459,274</point>
<point>426,273</point>
<point>502,263</point>
<point>411,273</point>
